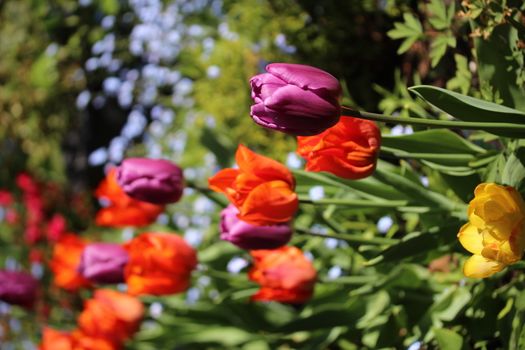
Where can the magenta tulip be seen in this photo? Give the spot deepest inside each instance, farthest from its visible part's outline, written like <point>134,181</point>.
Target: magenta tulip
<point>295,99</point>
<point>248,236</point>
<point>18,288</point>
<point>103,262</point>
<point>155,181</point>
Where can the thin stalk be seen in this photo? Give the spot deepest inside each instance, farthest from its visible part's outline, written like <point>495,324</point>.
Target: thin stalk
<point>350,237</point>
<point>436,156</point>
<point>351,280</point>
<point>215,197</point>
<point>435,123</point>
<point>356,203</point>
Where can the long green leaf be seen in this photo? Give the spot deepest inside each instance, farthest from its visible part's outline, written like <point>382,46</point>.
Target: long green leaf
<point>440,146</point>
<point>467,108</point>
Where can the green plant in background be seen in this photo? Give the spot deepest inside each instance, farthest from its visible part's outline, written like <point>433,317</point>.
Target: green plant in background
<point>43,49</point>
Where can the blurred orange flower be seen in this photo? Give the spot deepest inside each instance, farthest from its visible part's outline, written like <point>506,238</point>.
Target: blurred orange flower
<point>55,340</point>
<point>111,315</point>
<point>123,210</point>
<point>75,340</point>
<point>65,260</point>
<point>349,149</point>
<point>159,264</point>
<point>285,275</point>
<point>82,341</point>
<point>262,189</point>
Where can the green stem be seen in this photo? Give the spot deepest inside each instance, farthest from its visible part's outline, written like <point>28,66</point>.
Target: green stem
<point>427,156</point>
<point>349,237</point>
<point>352,280</point>
<point>434,123</point>
<point>355,203</point>
<point>215,197</point>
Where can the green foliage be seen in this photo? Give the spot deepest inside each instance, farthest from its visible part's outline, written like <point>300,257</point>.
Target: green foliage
<point>411,30</point>
<point>463,78</point>
<point>466,107</point>
<point>440,18</point>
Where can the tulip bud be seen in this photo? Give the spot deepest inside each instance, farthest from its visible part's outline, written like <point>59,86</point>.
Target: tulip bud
<point>295,99</point>
<point>261,188</point>
<point>103,263</point>
<point>17,288</point>
<point>159,264</point>
<point>284,274</point>
<point>155,181</point>
<point>248,236</point>
<point>349,149</point>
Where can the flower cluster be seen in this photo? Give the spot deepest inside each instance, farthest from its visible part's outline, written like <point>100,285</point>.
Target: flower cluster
<point>304,101</point>
<point>151,263</point>
<point>36,211</point>
<point>295,99</point>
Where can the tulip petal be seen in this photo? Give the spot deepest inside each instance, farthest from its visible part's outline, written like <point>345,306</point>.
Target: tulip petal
<point>291,100</point>
<point>348,149</point>
<point>471,239</point>
<point>264,85</point>
<point>264,168</point>
<point>265,78</point>
<point>271,119</point>
<point>306,77</point>
<point>274,120</point>
<point>269,203</point>
<point>223,180</point>
<point>478,266</point>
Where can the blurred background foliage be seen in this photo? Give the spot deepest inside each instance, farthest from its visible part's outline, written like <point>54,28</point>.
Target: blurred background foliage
<point>84,83</point>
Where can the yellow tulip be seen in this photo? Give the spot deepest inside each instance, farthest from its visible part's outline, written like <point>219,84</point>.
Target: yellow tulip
<point>495,233</point>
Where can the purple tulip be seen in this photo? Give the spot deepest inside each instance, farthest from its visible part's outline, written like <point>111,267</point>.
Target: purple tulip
<point>18,288</point>
<point>248,236</point>
<point>295,99</point>
<point>103,262</point>
<point>155,181</point>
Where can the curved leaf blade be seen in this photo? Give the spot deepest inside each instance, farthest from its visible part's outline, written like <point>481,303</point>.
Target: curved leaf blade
<point>467,108</point>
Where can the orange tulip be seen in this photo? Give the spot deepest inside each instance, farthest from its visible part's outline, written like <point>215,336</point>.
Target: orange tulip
<point>261,189</point>
<point>111,315</point>
<point>81,341</point>
<point>285,275</point>
<point>349,149</point>
<point>159,264</point>
<point>123,210</point>
<point>65,261</point>
<point>55,340</point>
<point>75,340</point>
